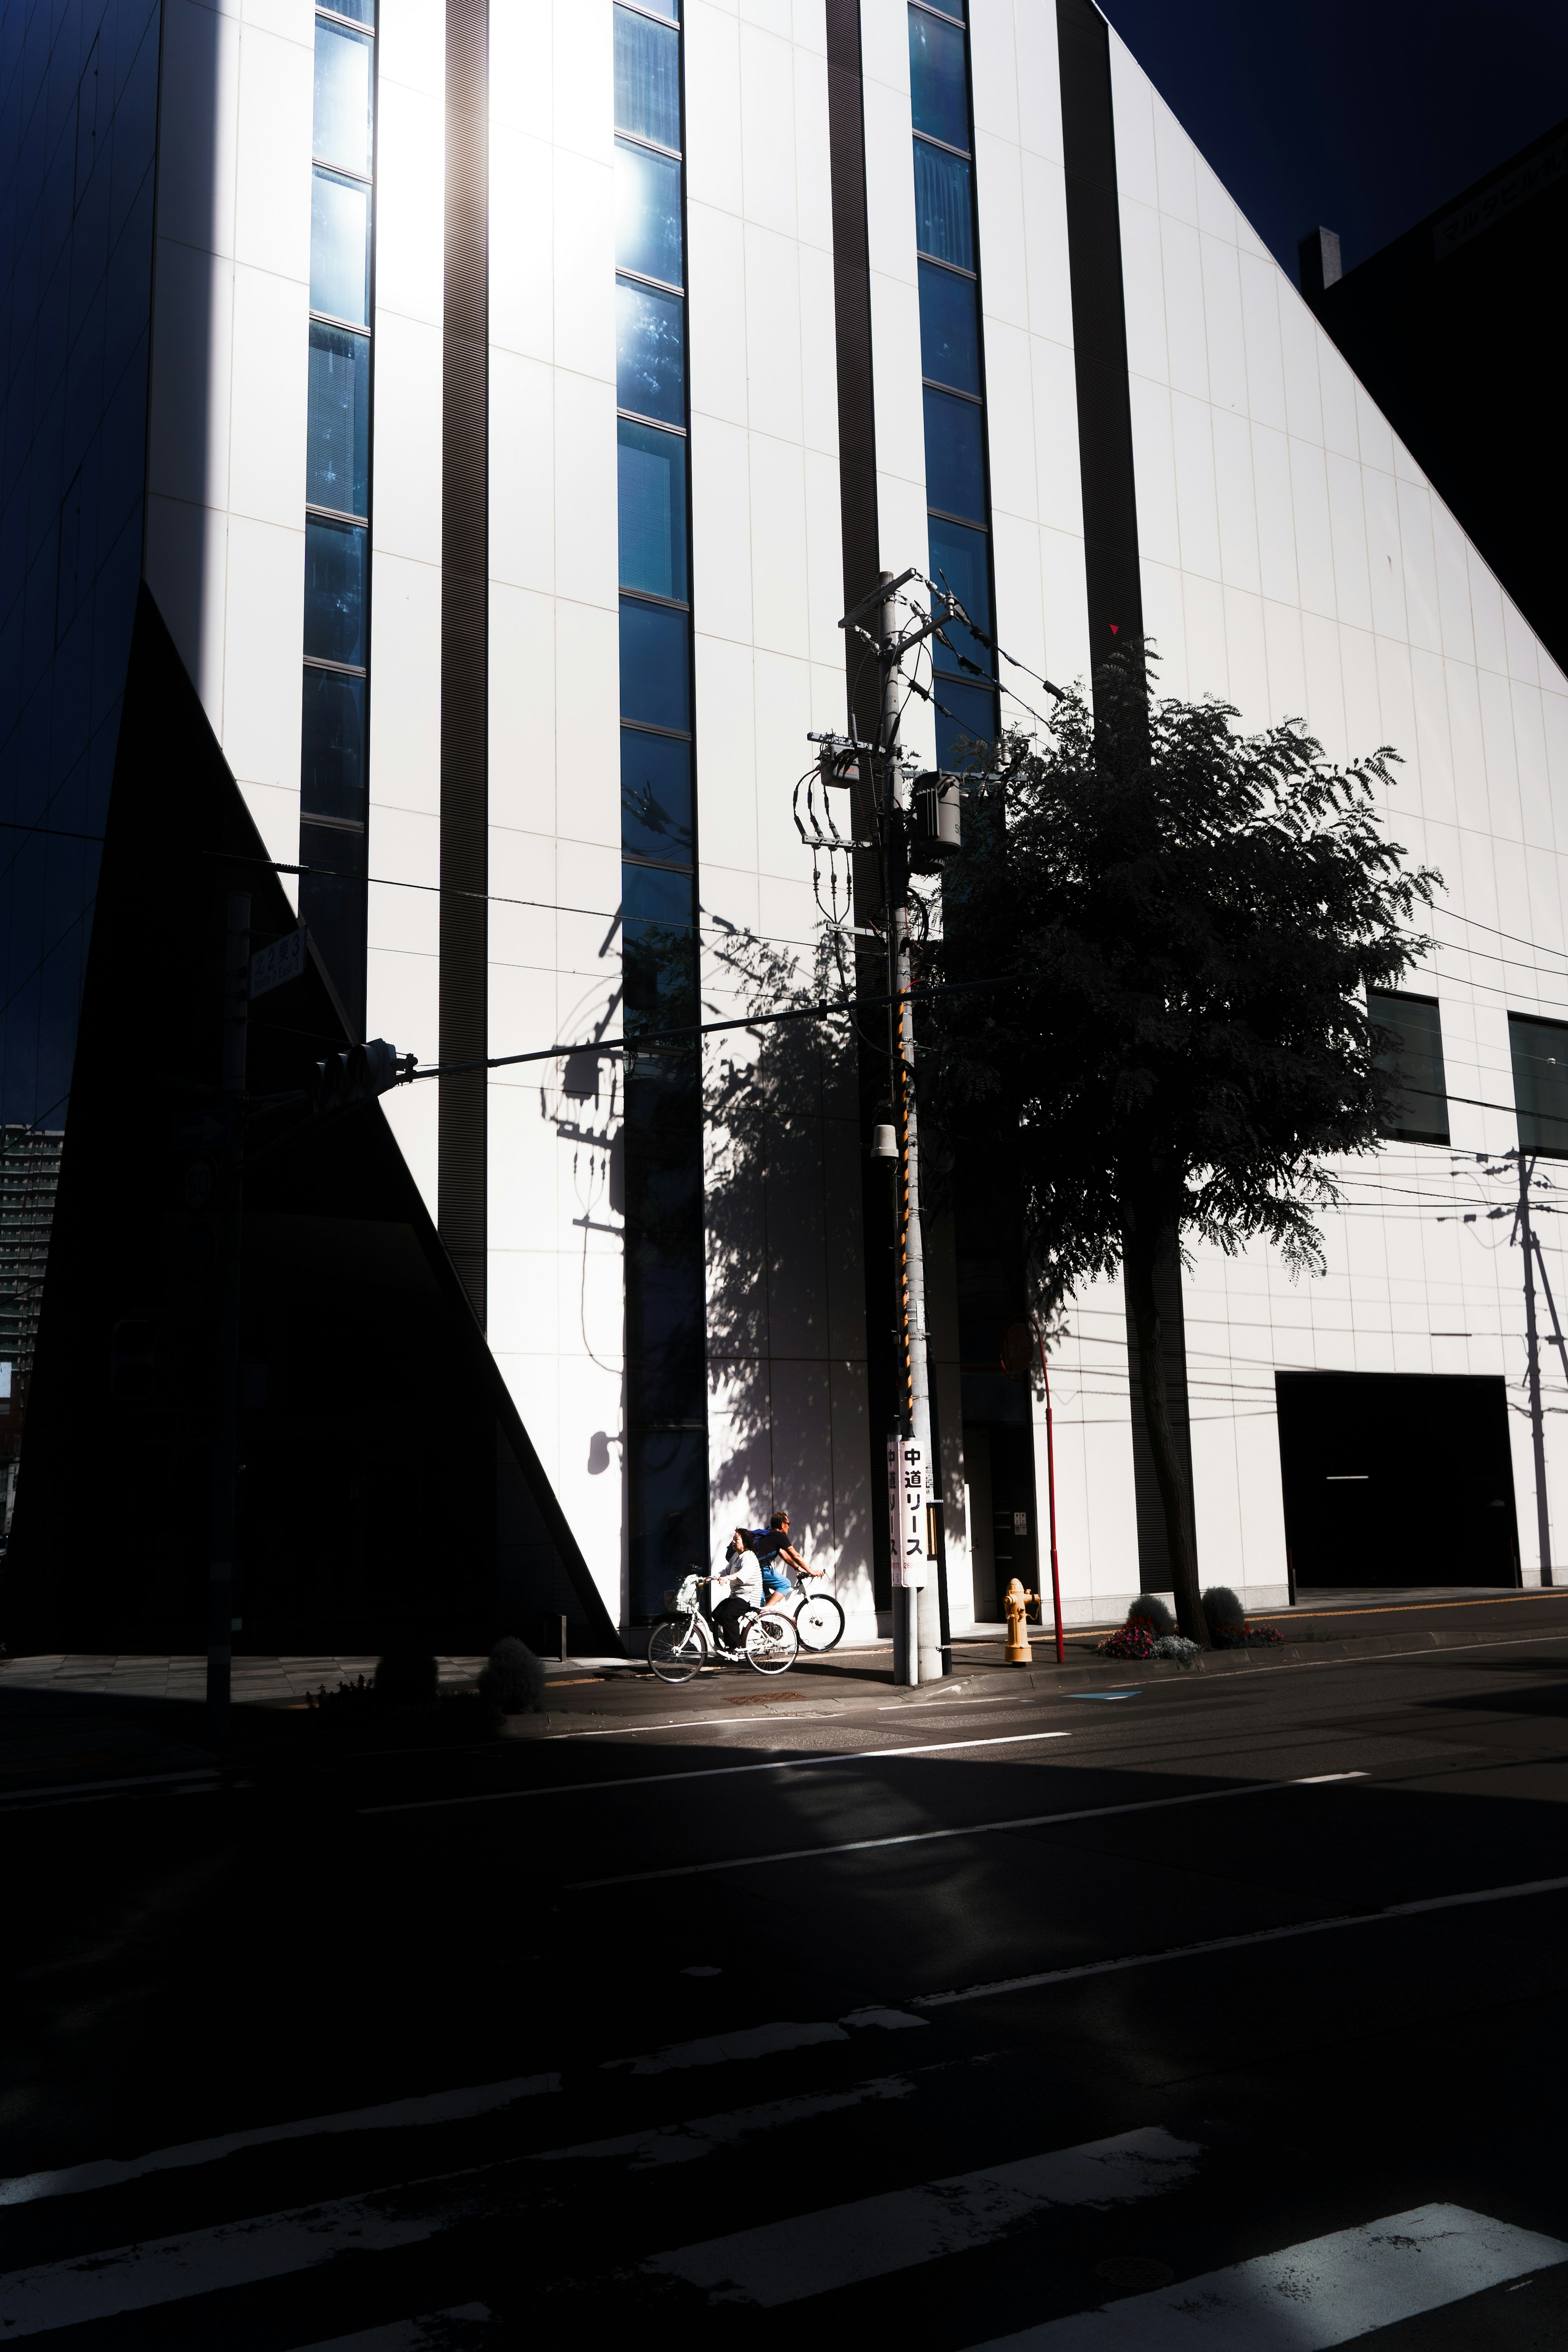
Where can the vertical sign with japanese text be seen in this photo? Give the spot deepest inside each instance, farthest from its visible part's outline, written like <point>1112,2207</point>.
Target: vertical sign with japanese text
<point>907,1515</point>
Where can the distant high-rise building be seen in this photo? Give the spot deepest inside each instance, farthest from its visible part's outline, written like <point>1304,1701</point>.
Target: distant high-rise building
<point>441,443</point>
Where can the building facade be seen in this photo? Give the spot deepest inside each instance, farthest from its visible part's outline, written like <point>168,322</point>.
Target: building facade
<point>486,415</point>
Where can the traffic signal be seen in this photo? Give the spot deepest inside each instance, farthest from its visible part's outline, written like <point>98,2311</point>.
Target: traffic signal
<point>358,1075</point>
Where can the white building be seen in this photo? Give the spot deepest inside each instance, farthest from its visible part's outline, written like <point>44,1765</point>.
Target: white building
<point>534,390</point>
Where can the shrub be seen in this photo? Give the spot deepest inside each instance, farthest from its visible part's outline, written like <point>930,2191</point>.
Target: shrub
<point>1225,1617</point>
<point>514,1678</point>
<point>1150,1611</point>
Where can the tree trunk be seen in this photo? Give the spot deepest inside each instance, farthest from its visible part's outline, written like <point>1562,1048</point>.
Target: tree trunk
<point>1139,1255</point>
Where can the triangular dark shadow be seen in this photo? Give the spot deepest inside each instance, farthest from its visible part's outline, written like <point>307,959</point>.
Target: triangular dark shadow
<point>390,1490</point>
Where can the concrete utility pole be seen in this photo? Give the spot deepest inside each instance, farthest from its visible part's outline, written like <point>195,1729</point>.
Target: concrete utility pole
<point>917,1618</point>
<point>225,1347</point>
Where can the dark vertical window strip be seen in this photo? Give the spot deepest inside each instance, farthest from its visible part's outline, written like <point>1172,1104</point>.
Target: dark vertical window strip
<point>1112,581</point>
<point>1099,330</point>
<point>465,783</point>
<point>334,768</point>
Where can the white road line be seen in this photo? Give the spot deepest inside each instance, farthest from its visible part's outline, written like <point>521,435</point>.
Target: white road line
<point>1238,1943</point>
<point>439,2331</point>
<point>684,2143</point>
<point>1325,2291</point>
<point>720,1772</point>
<point>143,2276</point>
<point>12,1800</point>
<point>813,2253</point>
<point>970,1829</point>
<point>437,2107</point>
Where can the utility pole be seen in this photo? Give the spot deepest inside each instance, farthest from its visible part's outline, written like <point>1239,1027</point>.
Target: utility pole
<point>1526,1235</point>
<point>917,1625</point>
<point>225,1347</point>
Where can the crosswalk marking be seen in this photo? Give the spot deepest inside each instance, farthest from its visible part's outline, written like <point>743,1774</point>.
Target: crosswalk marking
<point>717,1772</point>
<point>682,2142</point>
<point>1312,2296</point>
<point>784,2262</point>
<point>723,2049</point>
<point>969,1828</point>
<point>437,2107</point>
<point>142,2276</point>
<point>1238,1943</point>
<point>438,2331</point>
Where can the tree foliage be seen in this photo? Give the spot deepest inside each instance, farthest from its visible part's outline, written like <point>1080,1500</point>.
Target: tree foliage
<point>1191,918</point>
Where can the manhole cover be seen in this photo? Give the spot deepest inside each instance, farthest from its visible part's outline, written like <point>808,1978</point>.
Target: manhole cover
<point>1133,2273</point>
<point>753,1698</point>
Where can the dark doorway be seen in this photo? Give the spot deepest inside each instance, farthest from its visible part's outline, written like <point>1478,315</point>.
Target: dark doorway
<point>999,1464</point>
<point>1395,1478</point>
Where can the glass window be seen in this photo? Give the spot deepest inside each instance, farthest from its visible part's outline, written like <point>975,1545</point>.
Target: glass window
<point>655,673</point>
<point>950,335</point>
<point>939,80</point>
<point>648,215</point>
<point>953,8</point>
<point>959,561</point>
<point>362,11</point>
<point>1420,1115</point>
<point>334,591</point>
<point>652,509</point>
<point>955,456</point>
<point>1540,1052</point>
<point>331,761</point>
<point>945,206</point>
<point>648,79</point>
<point>650,352</point>
<point>968,716</point>
<point>337,432</point>
<point>667,1467</point>
<point>657,939</point>
<point>656,795</point>
<point>339,248</point>
<point>333,906</point>
<point>344,92</point>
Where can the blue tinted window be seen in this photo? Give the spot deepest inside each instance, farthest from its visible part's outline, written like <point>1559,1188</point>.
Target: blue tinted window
<point>939,80</point>
<point>950,337</point>
<point>652,509</point>
<point>331,761</point>
<point>654,676</point>
<point>945,206</point>
<point>953,8</point>
<point>334,591</point>
<point>339,248</point>
<point>650,352</point>
<point>362,11</point>
<point>959,561</point>
<point>648,79</point>
<point>658,942</point>
<point>341,132</point>
<point>332,904</point>
<point>967,715</point>
<point>955,456</point>
<point>648,215</point>
<point>337,432</point>
<point>656,795</point>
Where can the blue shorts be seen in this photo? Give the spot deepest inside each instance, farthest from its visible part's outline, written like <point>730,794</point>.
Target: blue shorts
<point>775,1580</point>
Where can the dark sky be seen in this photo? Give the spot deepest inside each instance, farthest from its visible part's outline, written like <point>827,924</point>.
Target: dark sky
<point>1364,115</point>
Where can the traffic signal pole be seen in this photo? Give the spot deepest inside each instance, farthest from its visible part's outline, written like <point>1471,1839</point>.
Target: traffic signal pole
<point>1532,1370</point>
<point>225,1347</point>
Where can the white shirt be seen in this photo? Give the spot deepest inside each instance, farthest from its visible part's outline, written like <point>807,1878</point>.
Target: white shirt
<point>745,1578</point>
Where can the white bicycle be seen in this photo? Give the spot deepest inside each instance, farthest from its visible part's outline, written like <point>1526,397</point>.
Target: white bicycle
<point>681,1645</point>
<point>818,1618</point>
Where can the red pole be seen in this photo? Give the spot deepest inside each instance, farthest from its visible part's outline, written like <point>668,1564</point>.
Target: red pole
<point>1052,1488</point>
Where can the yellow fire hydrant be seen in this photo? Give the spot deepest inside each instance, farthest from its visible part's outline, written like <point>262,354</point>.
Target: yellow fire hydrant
<point>1016,1601</point>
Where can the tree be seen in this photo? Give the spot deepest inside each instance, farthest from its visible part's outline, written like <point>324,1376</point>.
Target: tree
<point>1194,918</point>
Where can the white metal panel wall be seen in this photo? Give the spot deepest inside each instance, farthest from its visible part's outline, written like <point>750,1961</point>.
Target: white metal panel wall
<point>557,1266</point>
<point>226,541</point>
<point>787,1417</point>
<point>403,981</point>
<point>1295,562</point>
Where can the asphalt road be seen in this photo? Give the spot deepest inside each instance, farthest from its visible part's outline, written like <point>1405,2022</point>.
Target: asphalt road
<point>1227,2013</point>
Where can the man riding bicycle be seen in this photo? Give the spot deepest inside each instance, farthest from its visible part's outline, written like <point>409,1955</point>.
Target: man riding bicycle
<point>777,1556</point>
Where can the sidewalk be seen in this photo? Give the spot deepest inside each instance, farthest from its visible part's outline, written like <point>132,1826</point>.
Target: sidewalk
<point>68,1717</point>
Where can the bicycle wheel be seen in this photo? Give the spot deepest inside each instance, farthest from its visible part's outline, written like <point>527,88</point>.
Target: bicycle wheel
<point>772,1643</point>
<point>677,1649</point>
<point>820,1621</point>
